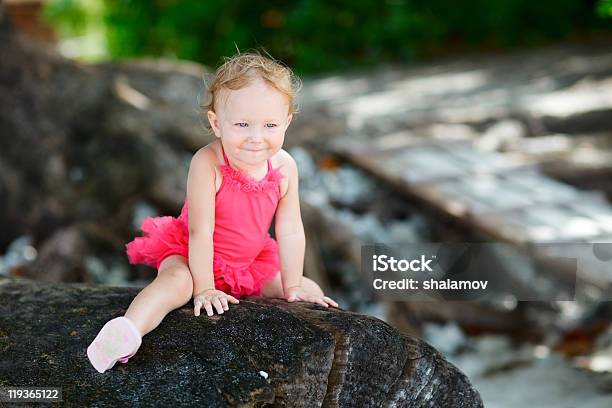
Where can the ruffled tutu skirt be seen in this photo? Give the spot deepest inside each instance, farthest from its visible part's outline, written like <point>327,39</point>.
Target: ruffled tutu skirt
<point>166,235</point>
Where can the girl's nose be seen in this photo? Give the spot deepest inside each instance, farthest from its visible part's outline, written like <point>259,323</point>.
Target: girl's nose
<point>256,134</point>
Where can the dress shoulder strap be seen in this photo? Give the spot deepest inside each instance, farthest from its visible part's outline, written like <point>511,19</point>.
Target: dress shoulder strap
<point>224,156</point>
<point>269,166</point>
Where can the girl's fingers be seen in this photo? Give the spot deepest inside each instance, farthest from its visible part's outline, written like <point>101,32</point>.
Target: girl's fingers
<point>322,302</point>
<point>330,301</point>
<point>197,305</point>
<point>224,303</point>
<point>217,304</point>
<point>316,300</point>
<point>311,299</point>
<point>232,299</point>
<point>208,307</point>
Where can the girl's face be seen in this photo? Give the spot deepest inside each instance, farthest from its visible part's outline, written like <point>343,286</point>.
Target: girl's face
<point>251,123</point>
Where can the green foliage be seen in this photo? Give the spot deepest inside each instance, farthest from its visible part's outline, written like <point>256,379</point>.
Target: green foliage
<point>73,17</point>
<point>324,35</point>
<point>604,8</point>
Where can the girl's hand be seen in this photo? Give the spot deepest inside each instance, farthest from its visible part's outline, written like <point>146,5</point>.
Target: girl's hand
<point>298,293</point>
<point>212,297</point>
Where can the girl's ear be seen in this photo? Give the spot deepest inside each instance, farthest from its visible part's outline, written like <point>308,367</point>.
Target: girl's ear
<point>289,118</point>
<point>214,123</point>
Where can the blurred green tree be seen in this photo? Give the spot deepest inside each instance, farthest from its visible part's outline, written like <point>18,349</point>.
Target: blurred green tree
<point>321,35</point>
<point>604,8</point>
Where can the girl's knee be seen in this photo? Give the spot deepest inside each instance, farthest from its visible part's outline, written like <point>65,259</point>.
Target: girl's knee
<point>178,278</point>
<point>274,288</point>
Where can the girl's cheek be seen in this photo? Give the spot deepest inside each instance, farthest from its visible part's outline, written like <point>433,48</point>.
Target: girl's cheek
<point>278,141</point>
<point>276,132</point>
<point>235,134</point>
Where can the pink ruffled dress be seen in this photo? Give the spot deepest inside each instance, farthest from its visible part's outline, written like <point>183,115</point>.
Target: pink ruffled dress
<point>245,256</point>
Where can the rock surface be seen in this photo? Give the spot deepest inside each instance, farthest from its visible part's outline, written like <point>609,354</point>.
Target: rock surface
<point>312,356</point>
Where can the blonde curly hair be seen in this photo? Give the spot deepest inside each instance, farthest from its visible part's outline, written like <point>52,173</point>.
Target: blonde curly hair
<point>241,69</point>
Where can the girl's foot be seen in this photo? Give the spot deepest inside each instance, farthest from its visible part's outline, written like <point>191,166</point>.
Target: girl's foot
<point>118,340</point>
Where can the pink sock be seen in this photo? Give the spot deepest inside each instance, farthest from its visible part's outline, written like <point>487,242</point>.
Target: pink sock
<point>118,340</point>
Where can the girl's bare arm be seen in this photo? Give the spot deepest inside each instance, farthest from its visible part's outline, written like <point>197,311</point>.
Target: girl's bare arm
<point>201,206</point>
<point>290,230</point>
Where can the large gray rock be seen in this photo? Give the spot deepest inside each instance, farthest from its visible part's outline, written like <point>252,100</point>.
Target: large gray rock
<point>79,143</point>
<point>313,356</point>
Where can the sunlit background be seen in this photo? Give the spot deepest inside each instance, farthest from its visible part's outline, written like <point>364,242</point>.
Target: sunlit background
<point>313,36</point>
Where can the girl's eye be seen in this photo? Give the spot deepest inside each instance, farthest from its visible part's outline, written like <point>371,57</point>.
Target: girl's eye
<point>242,124</point>
<point>271,125</point>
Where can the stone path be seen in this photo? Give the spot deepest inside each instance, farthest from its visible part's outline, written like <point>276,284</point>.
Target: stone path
<point>461,138</point>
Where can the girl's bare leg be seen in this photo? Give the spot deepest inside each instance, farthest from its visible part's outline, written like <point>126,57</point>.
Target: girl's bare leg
<point>171,289</point>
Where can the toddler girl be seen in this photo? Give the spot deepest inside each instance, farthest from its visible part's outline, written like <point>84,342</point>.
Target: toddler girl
<point>219,249</point>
